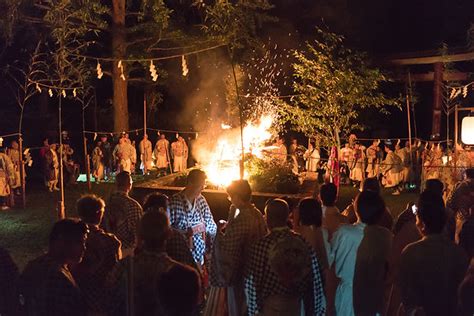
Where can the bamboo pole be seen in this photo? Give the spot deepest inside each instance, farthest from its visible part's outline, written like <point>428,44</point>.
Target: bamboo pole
<point>22,171</point>
<point>61,208</point>
<point>87,164</point>
<point>409,122</point>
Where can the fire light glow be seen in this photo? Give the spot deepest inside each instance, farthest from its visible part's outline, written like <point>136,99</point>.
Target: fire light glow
<point>222,161</point>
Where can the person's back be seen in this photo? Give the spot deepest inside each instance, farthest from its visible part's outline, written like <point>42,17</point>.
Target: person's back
<point>309,226</point>
<point>332,218</point>
<point>360,253</point>
<point>103,250</point>
<point>8,280</point>
<point>432,268</point>
<point>245,226</point>
<point>282,271</point>
<point>123,213</point>
<point>140,274</point>
<point>46,286</point>
<point>371,270</point>
<point>179,291</point>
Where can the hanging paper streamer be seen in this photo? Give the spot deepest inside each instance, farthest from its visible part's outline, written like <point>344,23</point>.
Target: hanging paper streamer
<point>74,93</point>
<point>63,93</point>
<point>464,92</point>
<point>197,135</point>
<point>38,88</point>
<point>153,73</point>
<point>99,71</point>
<point>177,135</point>
<point>120,66</point>
<point>95,136</point>
<point>158,133</point>
<point>453,93</point>
<point>184,65</point>
<point>50,93</point>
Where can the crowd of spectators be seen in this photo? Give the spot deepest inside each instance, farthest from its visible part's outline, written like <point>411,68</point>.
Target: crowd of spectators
<point>170,257</point>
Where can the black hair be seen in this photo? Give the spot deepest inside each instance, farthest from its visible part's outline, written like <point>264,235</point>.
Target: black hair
<point>328,194</point>
<point>178,291</point>
<point>277,212</point>
<point>470,173</point>
<point>69,230</point>
<point>88,206</point>
<point>310,212</point>
<point>435,186</point>
<point>195,176</point>
<point>241,188</point>
<point>371,184</point>
<point>369,206</point>
<point>154,201</point>
<point>431,212</point>
<point>122,179</point>
<point>153,229</point>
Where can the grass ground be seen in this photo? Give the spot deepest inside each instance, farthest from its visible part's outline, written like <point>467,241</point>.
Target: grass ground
<point>24,232</point>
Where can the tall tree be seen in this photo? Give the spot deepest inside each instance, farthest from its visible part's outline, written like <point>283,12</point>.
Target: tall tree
<point>333,84</point>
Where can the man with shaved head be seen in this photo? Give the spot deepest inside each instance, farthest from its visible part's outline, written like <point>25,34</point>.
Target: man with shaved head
<point>282,270</point>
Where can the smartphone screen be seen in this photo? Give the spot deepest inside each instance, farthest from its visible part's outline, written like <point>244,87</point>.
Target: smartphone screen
<point>414,209</point>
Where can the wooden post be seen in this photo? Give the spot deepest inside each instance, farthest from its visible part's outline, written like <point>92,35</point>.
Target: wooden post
<point>409,121</point>
<point>144,157</point>
<point>87,162</point>
<point>22,172</point>
<point>61,209</point>
<point>456,128</point>
<point>437,100</point>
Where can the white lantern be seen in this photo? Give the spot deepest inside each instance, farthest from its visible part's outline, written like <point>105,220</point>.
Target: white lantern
<point>467,130</point>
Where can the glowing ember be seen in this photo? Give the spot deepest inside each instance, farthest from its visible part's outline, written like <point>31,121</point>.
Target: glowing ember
<point>221,159</point>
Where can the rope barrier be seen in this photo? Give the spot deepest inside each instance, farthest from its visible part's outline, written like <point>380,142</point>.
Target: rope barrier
<point>149,59</point>
<point>10,135</point>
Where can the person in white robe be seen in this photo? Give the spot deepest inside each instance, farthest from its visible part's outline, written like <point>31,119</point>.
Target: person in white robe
<point>312,158</point>
<point>97,164</point>
<point>360,258</point>
<point>179,151</point>
<point>390,169</point>
<point>162,153</point>
<point>372,163</point>
<point>123,155</point>
<point>7,178</point>
<point>146,155</point>
<point>357,165</point>
<point>14,154</point>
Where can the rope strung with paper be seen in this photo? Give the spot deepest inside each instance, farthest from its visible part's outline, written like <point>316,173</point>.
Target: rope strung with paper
<point>137,130</point>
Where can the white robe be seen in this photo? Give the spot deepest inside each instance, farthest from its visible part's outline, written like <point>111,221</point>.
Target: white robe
<point>344,244</point>
<point>312,159</point>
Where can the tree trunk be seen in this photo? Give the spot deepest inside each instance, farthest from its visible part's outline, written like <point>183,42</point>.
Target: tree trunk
<point>120,98</point>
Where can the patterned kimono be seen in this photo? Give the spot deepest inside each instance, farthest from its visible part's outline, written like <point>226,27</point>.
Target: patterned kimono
<point>230,253</point>
<point>271,289</point>
<point>197,216</point>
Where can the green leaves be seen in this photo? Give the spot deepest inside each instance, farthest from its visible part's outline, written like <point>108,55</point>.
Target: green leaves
<point>333,85</point>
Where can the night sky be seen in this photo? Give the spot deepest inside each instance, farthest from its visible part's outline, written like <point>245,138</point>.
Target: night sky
<point>380,27</point>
